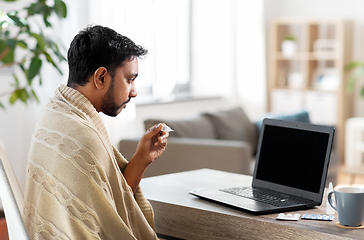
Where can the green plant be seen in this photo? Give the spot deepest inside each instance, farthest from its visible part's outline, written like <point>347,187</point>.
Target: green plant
<point>17,33</point>
<point>290,37</point>
<point>356,69</point>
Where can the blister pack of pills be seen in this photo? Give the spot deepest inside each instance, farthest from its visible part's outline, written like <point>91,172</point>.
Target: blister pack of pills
<point>317,217</point>
<point>288,217</point>
<point>166,128</point>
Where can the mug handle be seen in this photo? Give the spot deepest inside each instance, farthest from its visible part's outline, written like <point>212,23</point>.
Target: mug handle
<point>329,198</point>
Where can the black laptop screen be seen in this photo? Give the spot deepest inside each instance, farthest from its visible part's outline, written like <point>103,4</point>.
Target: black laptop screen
<point>302,152</point>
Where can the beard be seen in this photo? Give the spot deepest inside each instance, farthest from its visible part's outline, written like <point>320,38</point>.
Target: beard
<point>109,106</point>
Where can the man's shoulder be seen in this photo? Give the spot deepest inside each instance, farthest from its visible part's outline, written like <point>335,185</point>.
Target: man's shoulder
<point>64,110</point>
<point>73,146</point>
<point>68,127</point>
<point>63,123</point>
<point>65,128</point>
<point>67,123</point>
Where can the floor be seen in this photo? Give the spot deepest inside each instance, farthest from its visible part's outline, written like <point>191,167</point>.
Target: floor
<point>3,230</point>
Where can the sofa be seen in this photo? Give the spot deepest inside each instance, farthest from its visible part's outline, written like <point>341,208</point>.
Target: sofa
<point>224,140</point>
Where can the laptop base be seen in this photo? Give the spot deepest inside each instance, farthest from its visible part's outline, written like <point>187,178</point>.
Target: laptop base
<point>243,204</point>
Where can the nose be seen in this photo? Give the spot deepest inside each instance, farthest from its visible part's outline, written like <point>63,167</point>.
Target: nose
<point>133,91</point>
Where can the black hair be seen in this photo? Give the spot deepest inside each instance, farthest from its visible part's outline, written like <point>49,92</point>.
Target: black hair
<point>98,46</point>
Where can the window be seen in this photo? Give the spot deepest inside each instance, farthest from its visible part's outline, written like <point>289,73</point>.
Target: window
<point>161,26</point>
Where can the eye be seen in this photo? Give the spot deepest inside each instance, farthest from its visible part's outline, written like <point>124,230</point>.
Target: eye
<point>132,79</point>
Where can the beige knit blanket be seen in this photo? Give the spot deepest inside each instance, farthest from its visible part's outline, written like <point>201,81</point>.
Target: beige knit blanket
<point>75,188</point>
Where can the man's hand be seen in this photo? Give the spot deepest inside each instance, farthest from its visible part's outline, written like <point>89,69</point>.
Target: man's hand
<point>152,144</point>
<point>150,147</point>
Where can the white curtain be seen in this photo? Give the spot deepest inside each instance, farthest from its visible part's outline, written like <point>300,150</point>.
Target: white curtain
<point>228,52</point>
<point>251,57</point>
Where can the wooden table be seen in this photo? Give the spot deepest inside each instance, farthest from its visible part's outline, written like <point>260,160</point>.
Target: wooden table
<point>181,215</point>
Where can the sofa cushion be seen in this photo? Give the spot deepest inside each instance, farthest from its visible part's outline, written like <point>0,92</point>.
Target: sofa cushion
<point>233,124</point>
<point>300,116</point>
<point>199,127</point>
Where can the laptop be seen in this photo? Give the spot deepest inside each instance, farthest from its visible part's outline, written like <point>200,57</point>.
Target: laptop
<point>290,171</point>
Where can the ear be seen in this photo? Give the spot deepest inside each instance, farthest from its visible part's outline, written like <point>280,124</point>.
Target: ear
<point>100,78</point>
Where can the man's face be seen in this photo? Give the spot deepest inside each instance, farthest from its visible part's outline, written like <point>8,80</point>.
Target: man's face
<point>121,89</point>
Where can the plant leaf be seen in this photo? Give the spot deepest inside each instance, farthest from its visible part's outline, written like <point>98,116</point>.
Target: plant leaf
<point>9,57</point>
<point>14,97</point>
<point>46,22</point>
<point>23,95</point>
<point>10,43</point>
<point>60,8</point>
<point>16,20</point>
<point>353,64</point>
<point>22,67</point>
<point>2,106</point>
<point>34,68</point>
<point>356,69</point>
<point>50,60</point>
<point>350,85</point>
<point>42,9</point>
<point>48,57</point>
<point>22,44</point>
<point>16,80</point>
<point>39,38</point>
<point>39,7</point>
<point>56,51</point>
<point>35,96</point>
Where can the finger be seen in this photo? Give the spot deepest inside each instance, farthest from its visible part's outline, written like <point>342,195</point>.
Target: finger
<point>154,130</point>
<point>162,135</point>
<point>163,144</point>
<point>162,138</point>
<point>160,146</point>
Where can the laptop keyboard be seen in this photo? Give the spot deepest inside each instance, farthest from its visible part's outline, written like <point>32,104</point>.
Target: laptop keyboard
<point>262,196</point>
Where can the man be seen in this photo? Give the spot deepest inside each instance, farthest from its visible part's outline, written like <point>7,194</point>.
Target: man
<point>78,185</point>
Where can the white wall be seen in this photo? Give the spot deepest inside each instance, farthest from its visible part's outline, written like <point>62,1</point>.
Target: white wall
<point>347,9</point>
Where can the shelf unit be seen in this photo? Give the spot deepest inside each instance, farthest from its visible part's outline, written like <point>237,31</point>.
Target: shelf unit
<point>311,75</point>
